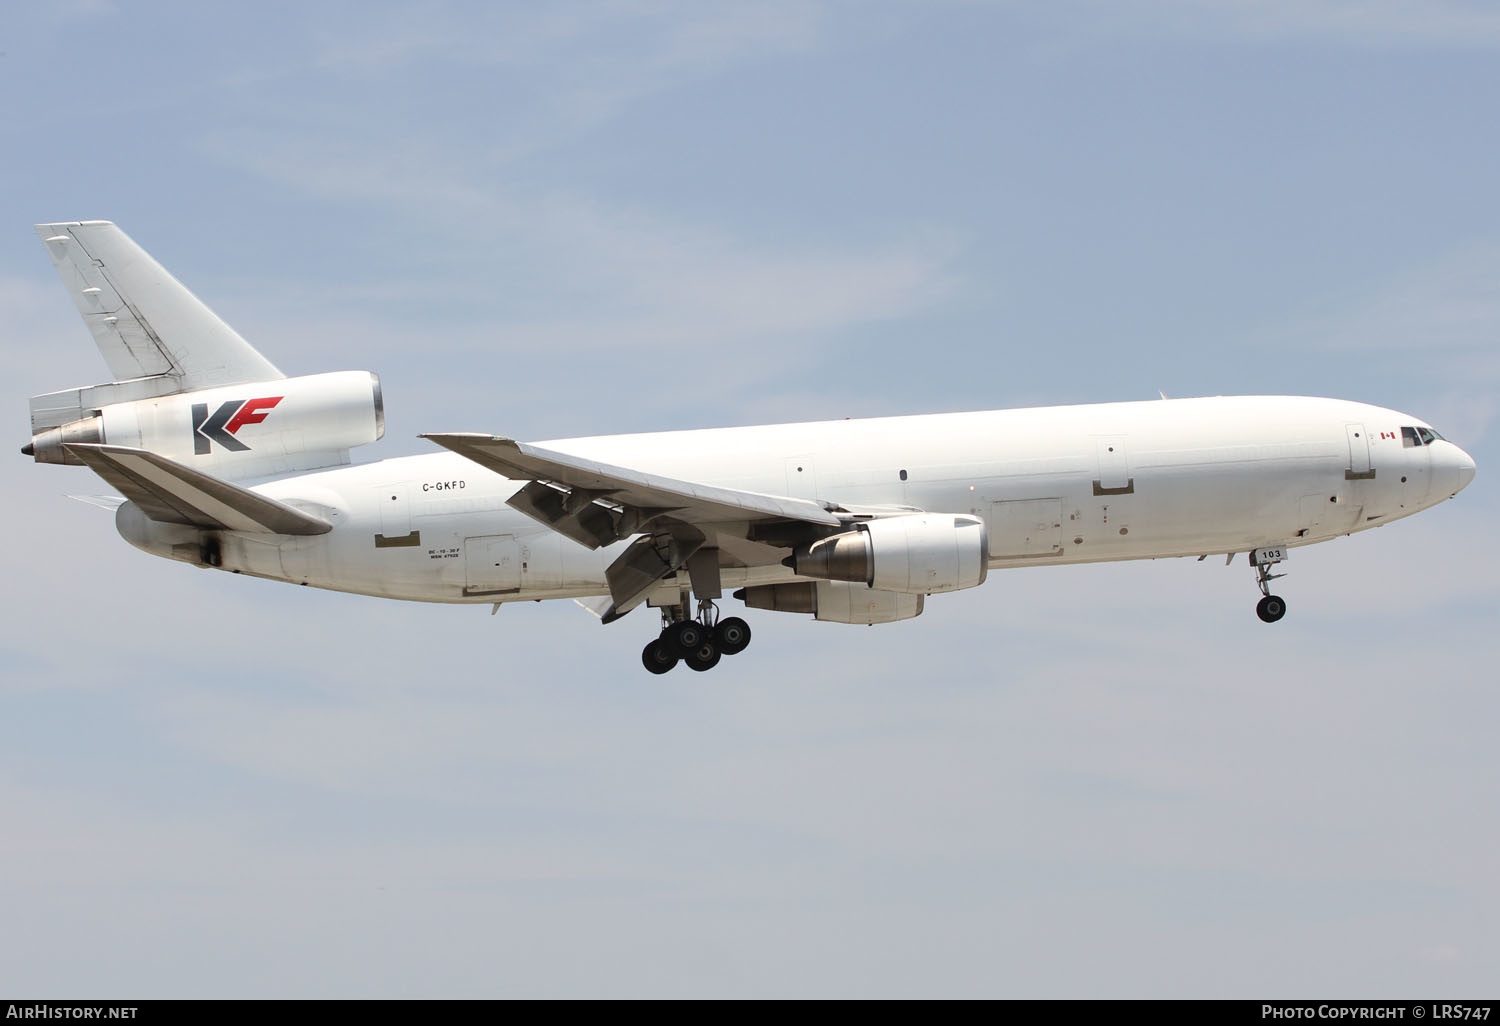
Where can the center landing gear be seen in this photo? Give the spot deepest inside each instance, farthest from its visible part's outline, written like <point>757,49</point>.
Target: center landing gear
<point>700,643</point>
<point>1271,607</point>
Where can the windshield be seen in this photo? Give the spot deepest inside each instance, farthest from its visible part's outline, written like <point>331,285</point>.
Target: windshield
<point>1414,436</point>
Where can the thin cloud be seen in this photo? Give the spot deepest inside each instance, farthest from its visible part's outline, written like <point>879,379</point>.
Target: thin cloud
<point>1363,24</point>
<point>1437,324</point>
<point>650,279</point>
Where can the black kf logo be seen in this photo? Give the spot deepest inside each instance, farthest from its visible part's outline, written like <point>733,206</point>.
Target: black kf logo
<point>226,421</point>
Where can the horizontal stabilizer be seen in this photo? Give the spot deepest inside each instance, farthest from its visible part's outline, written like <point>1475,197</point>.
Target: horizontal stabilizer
<point>171,493</point>
<point>596,606</point>
<point>109,503</point>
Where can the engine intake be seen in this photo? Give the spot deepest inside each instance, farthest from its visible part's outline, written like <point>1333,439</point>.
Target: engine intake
<point>919,554</point>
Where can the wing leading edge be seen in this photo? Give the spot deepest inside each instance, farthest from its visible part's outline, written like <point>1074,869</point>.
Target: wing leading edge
<point>577,483</point>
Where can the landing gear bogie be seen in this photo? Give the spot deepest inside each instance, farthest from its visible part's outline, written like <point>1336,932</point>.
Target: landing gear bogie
<point>699,643</point>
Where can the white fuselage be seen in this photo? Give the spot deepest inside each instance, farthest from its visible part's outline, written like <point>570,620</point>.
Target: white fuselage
<point>1071,484</point>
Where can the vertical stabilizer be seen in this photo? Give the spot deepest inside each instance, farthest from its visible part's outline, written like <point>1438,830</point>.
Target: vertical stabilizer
<point>145,322</point>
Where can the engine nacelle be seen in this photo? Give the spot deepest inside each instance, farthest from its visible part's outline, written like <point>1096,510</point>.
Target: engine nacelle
<point>834,601</point>
<point>916,554</point>
<point>247,429</point>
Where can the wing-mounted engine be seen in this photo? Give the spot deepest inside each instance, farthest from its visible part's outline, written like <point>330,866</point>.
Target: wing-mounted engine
<point>916,554</point>
<point>244,430</point>
<point>833,601</point>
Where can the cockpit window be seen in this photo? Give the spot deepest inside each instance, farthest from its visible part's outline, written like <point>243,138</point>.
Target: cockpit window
<point>1414,436</point>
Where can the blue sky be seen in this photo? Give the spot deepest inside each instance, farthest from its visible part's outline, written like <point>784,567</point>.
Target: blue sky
<point>581,218</point>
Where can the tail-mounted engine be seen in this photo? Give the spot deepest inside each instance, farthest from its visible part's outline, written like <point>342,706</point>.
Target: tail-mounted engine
<point>919,554</point>
<point>239,430</point>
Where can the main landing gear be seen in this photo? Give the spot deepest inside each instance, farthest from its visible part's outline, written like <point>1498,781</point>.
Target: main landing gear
<point>1271,607</point>
<point>700,643</point>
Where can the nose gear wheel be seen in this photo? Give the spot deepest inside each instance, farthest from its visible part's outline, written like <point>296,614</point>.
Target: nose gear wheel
<point>1271,607</point>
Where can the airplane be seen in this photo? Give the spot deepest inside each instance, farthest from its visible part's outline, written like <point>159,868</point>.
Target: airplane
<point>222,461</point>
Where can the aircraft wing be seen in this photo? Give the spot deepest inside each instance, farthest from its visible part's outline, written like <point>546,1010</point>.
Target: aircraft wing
<point>174,494</point>
<point>681,524</point>
<point>578,482</point>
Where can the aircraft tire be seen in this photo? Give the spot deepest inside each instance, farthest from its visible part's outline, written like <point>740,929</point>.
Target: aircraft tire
<point>705,657</point>
<point>659,656</point>
<point>685,635</point>
<point>1271,608</point>
<point>732,636</point>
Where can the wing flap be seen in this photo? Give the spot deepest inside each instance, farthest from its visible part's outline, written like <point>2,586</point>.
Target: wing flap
<point>171,493</point>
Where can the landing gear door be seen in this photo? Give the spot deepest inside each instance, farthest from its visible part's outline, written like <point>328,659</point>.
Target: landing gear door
<point>1359,453</point>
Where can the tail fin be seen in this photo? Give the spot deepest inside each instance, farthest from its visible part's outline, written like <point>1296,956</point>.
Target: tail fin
<point>143,319</point>
<point>157,337</point>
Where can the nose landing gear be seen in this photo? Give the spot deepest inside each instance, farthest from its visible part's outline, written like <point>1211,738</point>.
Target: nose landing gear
<point>1271,607</point>
<point>700,643</point>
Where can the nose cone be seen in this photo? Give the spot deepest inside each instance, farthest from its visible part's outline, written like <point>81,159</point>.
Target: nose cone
<point>1452,469</point>
<point>1465,469</point>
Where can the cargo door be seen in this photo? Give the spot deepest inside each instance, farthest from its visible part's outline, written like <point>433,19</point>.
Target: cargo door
<point>1324,515</point>
<point>1025,528</point>
<point>492,563</point>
